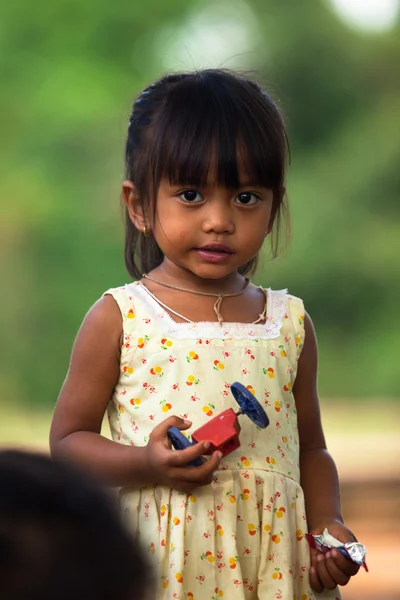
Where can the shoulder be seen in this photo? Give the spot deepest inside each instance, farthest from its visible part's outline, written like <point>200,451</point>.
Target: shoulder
<point>123,294</point>
<point>128,307</point>
<point>126,298</point>
<point>289,315</point>
<point>295,304</point>
<point>285,301</point>
<point>103,321</point>
<point>283,305</point>
<point>105,310</point>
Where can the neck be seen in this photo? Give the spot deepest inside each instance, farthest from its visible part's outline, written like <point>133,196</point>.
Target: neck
<point>172,274</point>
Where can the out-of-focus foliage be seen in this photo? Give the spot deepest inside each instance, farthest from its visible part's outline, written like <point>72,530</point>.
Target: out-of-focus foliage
<point>69,71</point>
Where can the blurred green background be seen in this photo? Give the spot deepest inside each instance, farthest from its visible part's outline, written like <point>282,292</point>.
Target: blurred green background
<point>69,71</point>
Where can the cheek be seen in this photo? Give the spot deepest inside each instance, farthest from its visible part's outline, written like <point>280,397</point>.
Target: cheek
<point>266,222</point>
<point>170,230</point>
<point>183,236</point>
<point>259,224</point>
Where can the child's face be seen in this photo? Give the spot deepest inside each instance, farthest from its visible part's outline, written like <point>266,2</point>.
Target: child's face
<point>212,231</point>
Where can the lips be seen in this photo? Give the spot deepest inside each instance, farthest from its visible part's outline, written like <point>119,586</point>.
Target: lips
<point>216,248</point>
<point>214,253</point>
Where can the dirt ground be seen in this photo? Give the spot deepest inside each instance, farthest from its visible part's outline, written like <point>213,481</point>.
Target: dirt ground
<point>371,510</point>
<point>366,447</point>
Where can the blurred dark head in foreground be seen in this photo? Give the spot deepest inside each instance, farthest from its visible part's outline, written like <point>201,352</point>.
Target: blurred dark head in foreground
<point>61,537</point>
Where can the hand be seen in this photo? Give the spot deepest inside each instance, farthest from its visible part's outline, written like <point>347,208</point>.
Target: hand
<point>331,569</point>
<point>170,467</point>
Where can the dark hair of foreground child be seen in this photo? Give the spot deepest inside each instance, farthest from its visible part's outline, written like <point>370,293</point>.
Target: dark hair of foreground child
<point>61,537</point>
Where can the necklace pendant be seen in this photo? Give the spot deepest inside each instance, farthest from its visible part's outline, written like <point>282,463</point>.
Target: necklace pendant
<point>216,310</point>
<point>217,303</point>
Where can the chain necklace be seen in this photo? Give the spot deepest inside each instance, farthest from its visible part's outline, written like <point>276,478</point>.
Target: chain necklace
<point>219,297</point>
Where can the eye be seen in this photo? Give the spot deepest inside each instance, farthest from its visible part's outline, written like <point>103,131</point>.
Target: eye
<point>247,199</point>
<point>190,196</point>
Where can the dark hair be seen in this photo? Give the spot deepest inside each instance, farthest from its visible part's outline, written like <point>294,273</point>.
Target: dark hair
<point>177,123</point>
<point>61,536</point>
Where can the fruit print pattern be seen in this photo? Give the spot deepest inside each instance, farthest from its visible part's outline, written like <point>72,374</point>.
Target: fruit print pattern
<point>135,402</point>
<point>127,371</point>
<point>207,545</point>
<point>209,409</point>
<point>191,380</point>
<point>218,366</point>
<point>157,370</point>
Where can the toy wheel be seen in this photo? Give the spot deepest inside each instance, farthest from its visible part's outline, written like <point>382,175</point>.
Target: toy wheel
<point>180,442</point>
<point>249,405</point>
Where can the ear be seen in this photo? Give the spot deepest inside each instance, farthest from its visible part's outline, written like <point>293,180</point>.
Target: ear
<point>131,200</point>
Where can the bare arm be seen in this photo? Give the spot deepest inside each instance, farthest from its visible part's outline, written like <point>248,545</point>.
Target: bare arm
<point>87,390</point>
<point>319,478</point>
<point>89,385</point>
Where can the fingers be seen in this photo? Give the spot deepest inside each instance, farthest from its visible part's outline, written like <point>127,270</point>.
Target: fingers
<point>203,475</point>
<point>161,431</point>
<point>343,564</point>
<point>331,569</point>
<point>334,571</point>
<point>188,478</point>
<point>324,575</point>
<point>173,466</point>
<point>315,581</point>
<point>181,458</point>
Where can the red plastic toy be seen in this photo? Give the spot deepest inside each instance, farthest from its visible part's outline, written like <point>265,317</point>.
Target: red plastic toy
<point>223,430</point>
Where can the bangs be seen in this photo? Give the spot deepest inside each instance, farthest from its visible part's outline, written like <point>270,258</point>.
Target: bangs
<point>211,120</point>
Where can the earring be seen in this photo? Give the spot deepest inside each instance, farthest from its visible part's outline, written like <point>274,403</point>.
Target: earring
<point>146,231</point>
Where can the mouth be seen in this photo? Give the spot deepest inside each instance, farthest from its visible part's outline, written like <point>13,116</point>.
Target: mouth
<point>214,253</point>
<point>221,248</point>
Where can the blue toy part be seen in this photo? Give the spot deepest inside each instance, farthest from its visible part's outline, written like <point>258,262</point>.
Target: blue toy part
<point>249,405</point>
<point>180,442</point>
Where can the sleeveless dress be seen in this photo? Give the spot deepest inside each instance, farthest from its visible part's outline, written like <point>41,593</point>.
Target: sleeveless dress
<point>243,535</point>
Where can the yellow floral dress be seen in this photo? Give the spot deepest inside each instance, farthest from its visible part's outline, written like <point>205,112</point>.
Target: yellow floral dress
<point>242,536</point>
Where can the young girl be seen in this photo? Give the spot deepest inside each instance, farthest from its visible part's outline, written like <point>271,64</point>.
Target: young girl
<point>205,166</point>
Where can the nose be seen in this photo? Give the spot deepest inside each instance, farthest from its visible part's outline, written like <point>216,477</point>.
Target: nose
<point>218,218</point>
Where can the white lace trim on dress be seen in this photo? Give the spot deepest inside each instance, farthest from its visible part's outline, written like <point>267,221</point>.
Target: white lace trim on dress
<point>276,308</point>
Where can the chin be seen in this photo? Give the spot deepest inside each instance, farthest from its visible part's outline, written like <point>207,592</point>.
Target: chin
<point>213,273</point>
